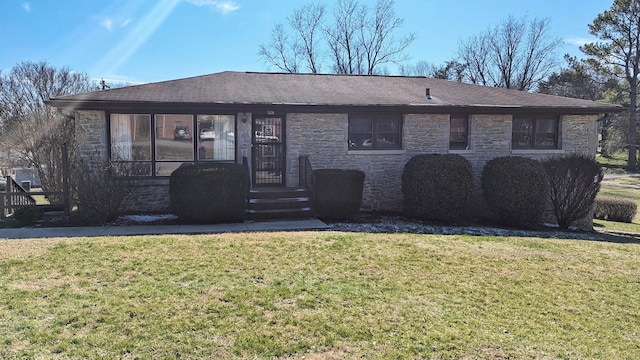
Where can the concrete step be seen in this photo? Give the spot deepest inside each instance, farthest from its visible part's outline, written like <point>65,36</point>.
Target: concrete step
<point>279,203</point>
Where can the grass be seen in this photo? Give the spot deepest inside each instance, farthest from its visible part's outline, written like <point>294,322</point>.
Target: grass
<point>627,188</point>
<point>614,164</point>
<point>319,295</point>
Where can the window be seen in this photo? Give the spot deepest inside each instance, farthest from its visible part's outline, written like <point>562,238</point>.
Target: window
<point>176,139</point>
<point>459,132</point>
<point>131,138</point>
<point>535,132</point>
<point>216,137</point>
<point>375,131</point>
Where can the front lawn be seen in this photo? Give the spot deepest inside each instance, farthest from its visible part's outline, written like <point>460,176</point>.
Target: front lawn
<point>624,188</point>
<point>319,295</point>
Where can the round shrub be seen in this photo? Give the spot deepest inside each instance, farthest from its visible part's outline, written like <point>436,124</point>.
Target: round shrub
<point>338,193</point>
<point>437,186</point>
<point>516,190</point>
<point>209,193</point>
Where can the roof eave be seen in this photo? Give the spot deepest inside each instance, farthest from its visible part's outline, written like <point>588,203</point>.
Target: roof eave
<point>158,106</point>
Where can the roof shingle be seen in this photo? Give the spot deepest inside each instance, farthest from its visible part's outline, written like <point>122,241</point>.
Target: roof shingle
<point>331,90</point>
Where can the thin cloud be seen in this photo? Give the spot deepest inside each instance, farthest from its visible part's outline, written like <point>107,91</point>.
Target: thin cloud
<point>26,7</point>
<point>579,41</point>
<point>125,23</point>
<point>225,7</point>
<point>107,23</point>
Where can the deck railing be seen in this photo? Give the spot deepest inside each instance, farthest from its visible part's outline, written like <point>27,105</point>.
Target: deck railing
<point>306,178</point>
<point>15,196</point>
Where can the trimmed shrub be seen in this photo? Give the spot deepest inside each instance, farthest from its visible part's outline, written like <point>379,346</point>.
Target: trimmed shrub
<point>574,183</point>
<point>437,186</point>
<point>338,193</point>
<point>615,210</point>
<point>209,193</point>
<point>516,190</point>
<point>27,215</point>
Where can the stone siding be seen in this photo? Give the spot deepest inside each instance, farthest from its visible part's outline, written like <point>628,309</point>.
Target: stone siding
<point>91,134</point>
<point>324,138</point>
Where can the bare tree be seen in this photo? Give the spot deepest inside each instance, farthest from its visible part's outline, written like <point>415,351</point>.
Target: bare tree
<point>306,21</point>
<point>377,39</point>
<point>421,68</point>
<point>281,52</point>
<point>292,53</point>
<point>34,132</point>
<point>515,54</point>
<point>342,37</point>
<point>358,39</point>
<point>619,53</point>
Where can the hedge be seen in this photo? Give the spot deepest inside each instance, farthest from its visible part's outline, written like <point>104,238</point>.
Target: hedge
<point>437,186</point>
<point>209,193</point>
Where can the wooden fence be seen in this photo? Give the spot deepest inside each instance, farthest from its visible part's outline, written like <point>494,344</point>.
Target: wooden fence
<point>15,196</point>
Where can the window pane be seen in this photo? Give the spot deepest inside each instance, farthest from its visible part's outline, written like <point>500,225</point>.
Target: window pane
<point>174,137</point>
<point>216,137</point>
<point>458,132</point>
<point>546,130</point>
<point>130,136</point>
<point>522,132</point>
<point>360,132</point>
<point>387,132</point>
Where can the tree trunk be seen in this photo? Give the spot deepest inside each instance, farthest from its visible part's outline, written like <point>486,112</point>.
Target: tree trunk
<point>633,116</point>
<point>603,140</point>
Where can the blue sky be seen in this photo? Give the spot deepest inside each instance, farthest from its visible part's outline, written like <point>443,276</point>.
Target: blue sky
<point>138,41</point>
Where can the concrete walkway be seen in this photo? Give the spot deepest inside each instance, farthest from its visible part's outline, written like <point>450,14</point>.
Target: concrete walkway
<point>285,225</point>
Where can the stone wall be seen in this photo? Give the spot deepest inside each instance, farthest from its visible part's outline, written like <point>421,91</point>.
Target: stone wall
<point>324,138</point>
<point>91,134</point>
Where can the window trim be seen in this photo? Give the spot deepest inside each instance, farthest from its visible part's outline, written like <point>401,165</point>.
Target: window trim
<point>533,132</point>
<point>153,160</point>
<point>375,117</point>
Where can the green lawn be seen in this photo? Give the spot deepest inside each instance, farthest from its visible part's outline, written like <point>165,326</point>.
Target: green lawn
<point>627,188</point>
<point>319,295</point>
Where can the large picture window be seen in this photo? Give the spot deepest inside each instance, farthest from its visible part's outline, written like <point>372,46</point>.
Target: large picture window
<point>535,132</point>
<point>459,132</point>
<point>166,141</point>
<point>375,131</point>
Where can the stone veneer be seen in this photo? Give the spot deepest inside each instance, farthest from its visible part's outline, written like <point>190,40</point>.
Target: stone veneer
<point>324,138</point>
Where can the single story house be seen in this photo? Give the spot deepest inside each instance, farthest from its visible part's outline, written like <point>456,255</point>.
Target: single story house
<point>371,123</point>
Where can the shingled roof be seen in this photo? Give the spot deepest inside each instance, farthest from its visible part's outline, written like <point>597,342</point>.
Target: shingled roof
<point>314,91</point>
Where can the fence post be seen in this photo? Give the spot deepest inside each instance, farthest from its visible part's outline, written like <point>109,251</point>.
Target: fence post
<point>3,200</point>
<point>66,195</point>
<point>9,196</point>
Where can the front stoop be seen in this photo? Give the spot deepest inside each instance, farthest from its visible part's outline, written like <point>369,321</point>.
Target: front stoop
<point>277,203</point>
